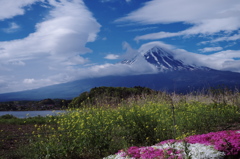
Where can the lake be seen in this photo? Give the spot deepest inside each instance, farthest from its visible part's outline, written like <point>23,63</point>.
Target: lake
<point>25,114</point>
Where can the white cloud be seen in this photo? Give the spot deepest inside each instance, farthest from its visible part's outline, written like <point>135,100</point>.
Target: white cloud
<point>206,16</point>
<point>130,52</point>
<point>103,1</point>
<point>16,62</point>
<point>224,38</point>
<point>193,12</point>
<point>210,49</point>
<point>159,35</point>
<point>28,80</point>
<point>111,57</point>
<point>47,54</point>
<point>143,29</point>
<point>11,8</point>
<point>145,47</point>
<point>13,27</point>
<point>227,54</point>
<point>232,65</point>
<point>230,38</point>
<point>75,60</point>
<point>223,60</point>
<point>140,67</point>
<point>63,35</point>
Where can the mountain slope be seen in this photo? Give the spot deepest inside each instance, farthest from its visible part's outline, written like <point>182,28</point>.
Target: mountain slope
<point>173,81</point>
<point>164,60</point>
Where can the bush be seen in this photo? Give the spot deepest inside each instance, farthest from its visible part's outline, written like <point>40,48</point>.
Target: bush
<point>8,116</point>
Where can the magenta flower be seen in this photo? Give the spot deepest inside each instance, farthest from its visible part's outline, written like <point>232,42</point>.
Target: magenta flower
<point>214,145</point>
<point>152,153</point>
<point>225,141</point>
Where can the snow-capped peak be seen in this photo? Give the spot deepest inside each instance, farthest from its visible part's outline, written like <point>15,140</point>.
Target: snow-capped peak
<point>162,58</point>
<point>155,44</point>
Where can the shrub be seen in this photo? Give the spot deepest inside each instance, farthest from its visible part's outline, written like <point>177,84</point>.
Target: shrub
<point>8,116</point>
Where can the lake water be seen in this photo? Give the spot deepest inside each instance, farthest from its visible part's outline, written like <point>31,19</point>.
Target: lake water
<point>25,114</point>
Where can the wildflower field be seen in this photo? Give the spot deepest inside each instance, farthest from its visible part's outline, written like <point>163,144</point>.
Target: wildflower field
<point>152,126</point>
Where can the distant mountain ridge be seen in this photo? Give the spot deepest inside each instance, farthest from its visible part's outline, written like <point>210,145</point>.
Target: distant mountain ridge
<point>173,76</point>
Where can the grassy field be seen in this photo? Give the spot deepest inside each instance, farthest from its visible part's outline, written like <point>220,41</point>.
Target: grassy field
<point>96,131</point>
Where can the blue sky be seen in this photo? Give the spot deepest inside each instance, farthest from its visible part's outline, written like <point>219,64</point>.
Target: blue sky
<point>45,42</point>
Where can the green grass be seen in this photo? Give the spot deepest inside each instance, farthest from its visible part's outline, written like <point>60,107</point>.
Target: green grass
<point>10,119</point>
<point>95,132</point>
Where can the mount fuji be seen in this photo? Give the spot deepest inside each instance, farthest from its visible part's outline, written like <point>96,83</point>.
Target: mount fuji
<point>163,59</point>
<point>171,75</point>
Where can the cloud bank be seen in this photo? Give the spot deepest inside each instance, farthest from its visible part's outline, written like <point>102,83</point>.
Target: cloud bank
<point>17,7</point>
<point>222,60</point>
<point>210,49</point>
<point>57,43</point>
<point>64,34</point>
<point>204,17</point>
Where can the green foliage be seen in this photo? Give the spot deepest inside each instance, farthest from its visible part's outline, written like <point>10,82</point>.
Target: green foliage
<point>46,104</point>
<point>47,101</point>
<point>7,116</point>
<point>10,119</point>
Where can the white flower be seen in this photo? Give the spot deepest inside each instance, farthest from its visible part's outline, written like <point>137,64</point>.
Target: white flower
<point>118,156</point>
<point>200,151</point>
<point>195,151</point>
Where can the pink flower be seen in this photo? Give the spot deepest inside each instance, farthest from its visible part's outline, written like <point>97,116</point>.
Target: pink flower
<point>152,153</point>
<point>225,141</point>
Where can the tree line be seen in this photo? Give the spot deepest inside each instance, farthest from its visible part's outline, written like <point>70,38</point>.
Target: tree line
<point>45,104</point>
